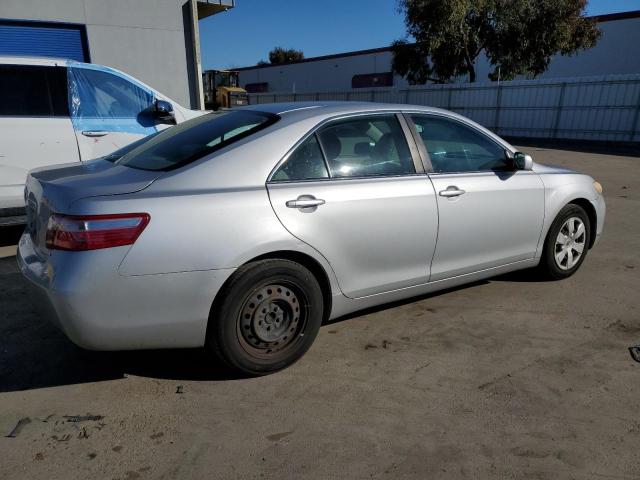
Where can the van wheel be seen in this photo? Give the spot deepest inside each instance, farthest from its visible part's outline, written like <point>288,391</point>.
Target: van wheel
<point>268,316</point>
<point>566,244</point>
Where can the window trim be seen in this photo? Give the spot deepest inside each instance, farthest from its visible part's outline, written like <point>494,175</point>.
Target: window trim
<point>323,153</point>
<point>413,145</point>
<point>425,153</point>
<point>413,149</point>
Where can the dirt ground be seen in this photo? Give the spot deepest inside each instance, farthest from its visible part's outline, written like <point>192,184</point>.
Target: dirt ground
<point>508,378</point>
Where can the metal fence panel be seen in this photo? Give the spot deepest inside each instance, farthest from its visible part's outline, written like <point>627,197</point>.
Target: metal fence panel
<point>305,97</point>
<point>589,108</point>
<point>438,97</point>
<point>357,96</point>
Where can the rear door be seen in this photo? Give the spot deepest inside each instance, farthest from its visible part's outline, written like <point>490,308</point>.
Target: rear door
<point>35,129</point>
<point>108,110</point>
<point>490,213</point>
<point>356,192</point>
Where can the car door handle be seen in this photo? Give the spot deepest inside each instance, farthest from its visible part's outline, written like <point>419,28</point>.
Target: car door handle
<point>305,201</point>
<point>451,191</point>
<point>94,133</point>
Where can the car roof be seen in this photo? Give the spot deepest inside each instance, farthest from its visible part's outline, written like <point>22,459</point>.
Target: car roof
<point>307,110</point>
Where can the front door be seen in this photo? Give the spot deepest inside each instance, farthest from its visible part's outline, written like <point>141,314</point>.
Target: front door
<point>352,192</point>
<point>490,213</point>
<point>108,110</point>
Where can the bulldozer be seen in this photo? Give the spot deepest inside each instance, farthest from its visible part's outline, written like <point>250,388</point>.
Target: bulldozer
<point>222,90</point>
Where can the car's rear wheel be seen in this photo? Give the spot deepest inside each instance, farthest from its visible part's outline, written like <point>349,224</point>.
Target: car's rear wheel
<point>267,316</point>
<point>567,243</point>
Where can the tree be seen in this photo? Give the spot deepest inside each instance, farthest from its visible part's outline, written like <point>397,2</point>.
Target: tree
<point>519,37</point>
<point>281,55</point>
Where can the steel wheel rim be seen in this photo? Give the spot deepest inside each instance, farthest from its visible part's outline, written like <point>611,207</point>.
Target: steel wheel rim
<point>570,243</point>
<point>272,319</point>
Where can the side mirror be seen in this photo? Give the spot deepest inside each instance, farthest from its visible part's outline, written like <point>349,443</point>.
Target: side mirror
<point>163,112</point>
<point>522,161</point>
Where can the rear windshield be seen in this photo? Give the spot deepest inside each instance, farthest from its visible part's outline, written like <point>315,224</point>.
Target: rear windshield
<point>191,140</point>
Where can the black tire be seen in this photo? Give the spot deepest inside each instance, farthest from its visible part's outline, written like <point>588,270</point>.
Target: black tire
<point>549,266</point>
<point>268,315</point>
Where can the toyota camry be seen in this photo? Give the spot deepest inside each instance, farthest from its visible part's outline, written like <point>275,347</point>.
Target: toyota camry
<point>242,232</point>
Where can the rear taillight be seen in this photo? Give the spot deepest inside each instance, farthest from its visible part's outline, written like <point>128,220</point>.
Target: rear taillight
<point>92,232</point>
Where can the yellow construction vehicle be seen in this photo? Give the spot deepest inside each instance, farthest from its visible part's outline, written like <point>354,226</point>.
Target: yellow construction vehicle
<point>222,90</point>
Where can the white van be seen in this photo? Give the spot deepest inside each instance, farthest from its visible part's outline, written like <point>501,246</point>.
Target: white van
<point>58,111</point>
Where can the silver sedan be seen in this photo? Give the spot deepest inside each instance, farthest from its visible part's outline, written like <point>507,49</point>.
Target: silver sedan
<point>243,232</point>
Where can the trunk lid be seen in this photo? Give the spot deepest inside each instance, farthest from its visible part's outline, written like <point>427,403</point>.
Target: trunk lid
<point>53,190</point>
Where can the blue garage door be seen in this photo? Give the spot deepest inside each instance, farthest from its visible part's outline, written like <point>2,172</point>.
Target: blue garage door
<point>44,40</point>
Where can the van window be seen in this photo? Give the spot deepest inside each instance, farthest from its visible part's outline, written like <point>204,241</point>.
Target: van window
<point>98,94</point>
<point>192,140</point>
<point>33,91</point>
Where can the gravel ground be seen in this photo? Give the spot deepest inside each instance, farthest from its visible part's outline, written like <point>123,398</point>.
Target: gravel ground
<point>508,378</point>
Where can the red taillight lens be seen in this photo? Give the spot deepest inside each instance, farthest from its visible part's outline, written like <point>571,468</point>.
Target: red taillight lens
<point>67,232</point>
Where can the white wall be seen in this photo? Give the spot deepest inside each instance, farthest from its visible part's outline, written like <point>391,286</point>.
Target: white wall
<point>330,74</point>
<point>144,38</point>
<point>615,53</point>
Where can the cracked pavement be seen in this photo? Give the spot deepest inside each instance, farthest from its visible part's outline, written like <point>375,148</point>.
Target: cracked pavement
<point>507,378</point>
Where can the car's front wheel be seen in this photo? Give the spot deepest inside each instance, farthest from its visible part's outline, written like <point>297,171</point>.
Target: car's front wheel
<point>267,316</point>
<point>567,243</point>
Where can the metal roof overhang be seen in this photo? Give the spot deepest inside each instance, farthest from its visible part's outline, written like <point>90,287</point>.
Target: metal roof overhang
<point>206,8</point>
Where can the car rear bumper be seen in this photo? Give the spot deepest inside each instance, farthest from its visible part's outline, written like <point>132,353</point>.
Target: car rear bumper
<point>98,309</point>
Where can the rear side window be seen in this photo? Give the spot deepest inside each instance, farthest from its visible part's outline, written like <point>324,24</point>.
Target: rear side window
<point>33,91</point>
<point>192,140</point>
<point>305,163</point>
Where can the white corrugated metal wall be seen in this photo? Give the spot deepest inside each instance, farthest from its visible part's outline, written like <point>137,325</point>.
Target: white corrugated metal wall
<point>586,108</point>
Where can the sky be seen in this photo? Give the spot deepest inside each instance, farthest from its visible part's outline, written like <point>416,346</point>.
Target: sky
<point>244,35</point>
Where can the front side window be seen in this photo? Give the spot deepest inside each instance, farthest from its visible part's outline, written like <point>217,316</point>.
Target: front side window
<point>366,146</point>
<point>98,94</point>
<point>32,91</point>
<point>454,147</point>
<point>305,163</point>
<point>192,140</point>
